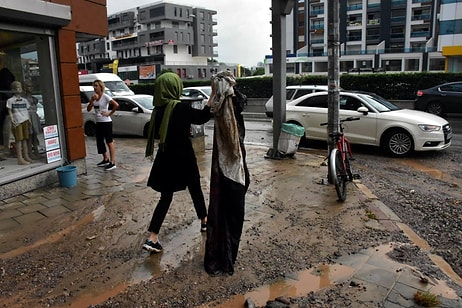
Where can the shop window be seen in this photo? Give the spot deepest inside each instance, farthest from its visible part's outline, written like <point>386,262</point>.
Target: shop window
<point>27,58</point>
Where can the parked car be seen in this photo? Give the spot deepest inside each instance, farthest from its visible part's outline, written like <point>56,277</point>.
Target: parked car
<point>195,92</point>
<point>132,117</point>
<point>293,92</point>
<point>397,131</point>
<point>441,99</point>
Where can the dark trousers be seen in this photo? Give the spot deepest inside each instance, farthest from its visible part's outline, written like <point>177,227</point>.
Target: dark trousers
<point>103,133</point>
<point>166,197</point>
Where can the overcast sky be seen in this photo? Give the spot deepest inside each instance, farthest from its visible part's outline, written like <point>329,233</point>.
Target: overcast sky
<point>243,26</point>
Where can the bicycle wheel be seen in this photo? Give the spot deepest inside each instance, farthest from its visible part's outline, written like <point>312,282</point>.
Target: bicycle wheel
<point>339,174</point>
<point>347,162</point>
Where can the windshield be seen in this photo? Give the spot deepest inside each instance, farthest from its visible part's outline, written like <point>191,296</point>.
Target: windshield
<point>145,101</point>
<point>117,86</point>
<point>207,90</point>
<point>379,103</point>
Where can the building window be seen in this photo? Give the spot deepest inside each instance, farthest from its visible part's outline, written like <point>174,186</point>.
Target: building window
<point>157,12</point>
<point>175,48</point>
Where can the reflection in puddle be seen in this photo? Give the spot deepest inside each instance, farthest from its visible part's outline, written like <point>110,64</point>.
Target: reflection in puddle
<point>313,279</point>
<point>440,262</point>
<point>435,173</point>
<point>349,267</point>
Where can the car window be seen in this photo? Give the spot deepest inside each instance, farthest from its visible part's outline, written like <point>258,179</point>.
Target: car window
<point>452,88</point>
<point>145,101</point>
<point>302,92</point>
<point>379,103</point>
<point>289,94</point>
<point>349,103</point>
<point>125,105</point>
<point>85,97</point>
<point>318,101</point>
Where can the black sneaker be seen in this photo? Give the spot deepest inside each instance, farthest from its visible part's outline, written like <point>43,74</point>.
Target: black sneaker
<point>151,246</point>
<point>203,227</point>
<point>110,166</point>
<point>103,163</point>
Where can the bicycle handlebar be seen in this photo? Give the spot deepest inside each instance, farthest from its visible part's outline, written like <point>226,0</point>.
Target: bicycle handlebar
<point>343,120</point>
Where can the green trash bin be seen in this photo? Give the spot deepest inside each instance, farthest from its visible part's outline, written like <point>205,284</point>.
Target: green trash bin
<point>289,138</point>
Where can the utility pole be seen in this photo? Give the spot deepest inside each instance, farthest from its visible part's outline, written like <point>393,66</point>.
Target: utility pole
<point>333,46</point>
<point>279,8</point>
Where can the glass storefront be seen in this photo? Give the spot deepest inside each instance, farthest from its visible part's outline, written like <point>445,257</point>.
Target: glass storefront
<point>28,56</point>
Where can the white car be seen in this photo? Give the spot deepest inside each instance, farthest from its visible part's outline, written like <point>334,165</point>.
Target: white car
<point>397,131</point>
<point>132,117</point>
<point>197,92</point>
<point>294,92</point>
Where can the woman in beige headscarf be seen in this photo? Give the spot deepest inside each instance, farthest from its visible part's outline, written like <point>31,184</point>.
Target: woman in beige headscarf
<point>229,178</point>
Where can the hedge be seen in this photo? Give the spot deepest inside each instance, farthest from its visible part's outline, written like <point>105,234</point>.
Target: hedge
<point>394,86</point>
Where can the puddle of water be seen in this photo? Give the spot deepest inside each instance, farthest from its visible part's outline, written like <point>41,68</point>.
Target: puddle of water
<point>440,262</point>
<point>323,276</point>
<point>182,245</point>
<point>435,173</point>
<point>95,297</point>
<point>313,279</point>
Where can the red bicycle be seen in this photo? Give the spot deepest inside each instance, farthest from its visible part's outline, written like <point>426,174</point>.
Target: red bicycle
<point>339,160</point>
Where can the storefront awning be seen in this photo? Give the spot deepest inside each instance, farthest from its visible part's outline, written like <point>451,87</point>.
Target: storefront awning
<point>35,12</point>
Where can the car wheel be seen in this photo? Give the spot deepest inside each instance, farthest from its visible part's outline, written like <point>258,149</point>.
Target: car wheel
<point>398,143</point>
<point>90,129</point>
<point>435,108</point>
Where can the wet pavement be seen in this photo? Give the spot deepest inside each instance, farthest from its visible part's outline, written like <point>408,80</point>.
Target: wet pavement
<point>382,280</point>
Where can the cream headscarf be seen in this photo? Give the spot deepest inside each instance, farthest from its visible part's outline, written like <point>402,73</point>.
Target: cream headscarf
<point>226,132</point>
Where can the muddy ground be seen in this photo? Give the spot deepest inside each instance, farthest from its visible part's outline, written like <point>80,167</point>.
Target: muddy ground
<point>92,258</point>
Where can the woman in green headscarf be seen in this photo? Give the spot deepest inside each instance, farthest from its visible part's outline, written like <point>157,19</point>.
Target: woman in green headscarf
<point>175,164</point>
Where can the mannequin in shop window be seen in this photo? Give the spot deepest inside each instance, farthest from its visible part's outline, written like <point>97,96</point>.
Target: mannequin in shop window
<point>20,125</point>
<point>33,145</point>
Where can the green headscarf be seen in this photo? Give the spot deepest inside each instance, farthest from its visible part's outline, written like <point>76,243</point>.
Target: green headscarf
<point>167,91</point>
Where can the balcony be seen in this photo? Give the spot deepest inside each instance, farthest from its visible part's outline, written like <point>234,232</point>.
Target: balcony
<point>373,21</point>
<point>317,41</point>
<point>355,7</point>
<point>354,38</point>
<point>317,26</point>
<point>421,17</point>
<point>420,34</point>
<point>317,12</point>
<point>355,23</point>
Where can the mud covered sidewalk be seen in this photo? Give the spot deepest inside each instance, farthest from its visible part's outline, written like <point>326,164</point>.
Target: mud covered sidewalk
<point>81,247</point>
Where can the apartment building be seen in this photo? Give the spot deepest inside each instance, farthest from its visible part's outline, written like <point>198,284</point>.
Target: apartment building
<point>143,41</point>
<point>376,36</point>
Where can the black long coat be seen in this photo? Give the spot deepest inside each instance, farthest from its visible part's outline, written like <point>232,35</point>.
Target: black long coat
<point>175,165</point>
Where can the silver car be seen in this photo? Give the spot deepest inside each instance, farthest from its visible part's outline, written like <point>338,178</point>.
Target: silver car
<point>132,117</point>
<point>398,131</point>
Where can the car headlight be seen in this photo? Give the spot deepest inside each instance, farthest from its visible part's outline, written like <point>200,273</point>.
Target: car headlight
<point>429,128</point>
